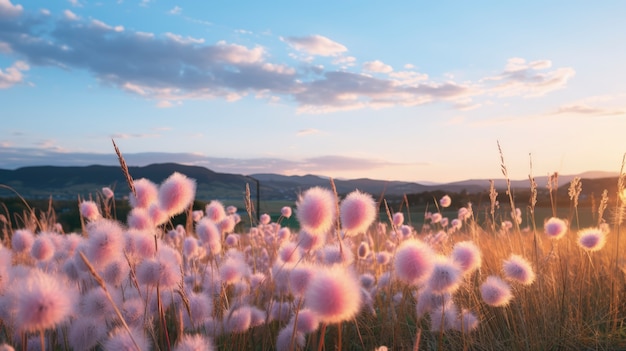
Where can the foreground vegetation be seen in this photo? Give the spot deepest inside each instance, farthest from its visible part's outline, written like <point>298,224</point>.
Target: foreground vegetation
<point>466,277</point>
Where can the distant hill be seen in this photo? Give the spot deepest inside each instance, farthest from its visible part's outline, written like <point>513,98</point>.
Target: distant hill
<point>70,182</point>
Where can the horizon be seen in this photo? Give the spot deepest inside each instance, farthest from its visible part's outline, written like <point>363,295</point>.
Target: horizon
<point>590,174</point>
<point>408,91</point>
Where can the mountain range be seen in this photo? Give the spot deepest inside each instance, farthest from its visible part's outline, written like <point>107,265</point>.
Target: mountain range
<point>71,182</point>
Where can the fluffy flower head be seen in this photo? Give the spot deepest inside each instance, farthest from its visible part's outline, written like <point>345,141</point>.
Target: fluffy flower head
<point>176,193</point>
<point>333,294</point>
<point>414,261</point>
<point>555,228</point>
<point>316,210</point>
<point>591,239</point>
<point>358,211</point>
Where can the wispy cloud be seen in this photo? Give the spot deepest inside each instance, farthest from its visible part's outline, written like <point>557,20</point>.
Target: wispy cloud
<point>316,45</point>
<point>529,78</point>
<point>583,109</point>
<point>8,10</point>
<point>308,131</point>
<point>177,10</point>
<point>377,67</point>
<point>134,136</point>
<point>13,75</point>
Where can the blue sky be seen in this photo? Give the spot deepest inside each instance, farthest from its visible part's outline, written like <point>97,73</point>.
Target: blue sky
<point>405,90</point>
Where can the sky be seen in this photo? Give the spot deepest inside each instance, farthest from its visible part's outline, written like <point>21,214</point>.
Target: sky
<point>402,90</point>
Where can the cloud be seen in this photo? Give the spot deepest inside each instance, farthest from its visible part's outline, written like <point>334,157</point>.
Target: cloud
<point>377,67</point>
<point>169,68</point>
<point>520,78</point>
<point>308,131</point>
<point>134,136</point>
<point>8,10</point>
<point>175,11</point>
<point>75,3</point>
<point>12,75</point>
<point>348,91</point>
<point>69,15</point>
<point>583,109</point>
<point>316,45</point>
<point>164,104</point>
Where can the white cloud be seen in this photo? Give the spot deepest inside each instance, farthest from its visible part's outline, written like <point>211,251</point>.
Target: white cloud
<point>134,136</point>
<point>75,3</point>
<point>587,110</point>
<point>172,68</point>
<point>70,15</point>
<point>308,131</point>
<point>529,79</point>
<point>316,45</point>
<point>164,104</point>
<point>101,25</point>
<point>8,10</point>
<point>183,40</point>
<point>13,75</point>
<point>176,10</point>
<point>377,67</point>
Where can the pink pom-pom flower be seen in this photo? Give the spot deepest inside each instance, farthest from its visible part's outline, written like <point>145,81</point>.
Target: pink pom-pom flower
<point>358,211</point>
<point>316,210</point>
<point>176,193</point>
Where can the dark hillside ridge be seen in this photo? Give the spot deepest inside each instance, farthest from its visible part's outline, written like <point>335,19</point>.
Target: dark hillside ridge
<point>70,182</point>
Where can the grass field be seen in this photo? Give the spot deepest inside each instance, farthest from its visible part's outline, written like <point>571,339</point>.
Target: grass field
<point>345,273</point>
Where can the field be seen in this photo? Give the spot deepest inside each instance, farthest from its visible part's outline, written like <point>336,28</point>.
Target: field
<point>349,272</point>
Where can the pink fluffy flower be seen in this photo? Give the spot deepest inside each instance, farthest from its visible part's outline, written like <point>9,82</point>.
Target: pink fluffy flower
<point>414,261</point>
<point>107,192</point>
<point>555,228</point>
<point>210,235</point>
<point>105,242</point>
<point>467,255</point>
<point>146,193</point>
<point>285,338</point>
<point>176,193</point>
<point>518,269</point>
<point>140,219</point>
<point>43,248</point>
<point>265,219</point>
<point>299,279</point>
<point>357,212</point>
<point>120,339</point>
<point>333,294</point>
<point>466,322</point>
<point>285,211</point>
<point>194,342</point>
<point>445,201</point>
<point>436,217</point>
<point>89,210</point>
<point>445,277</point>
<point>163,270</point>
<point>215,211</point>
<point>289,252</point>
<point>22,240</point>
<point>495,292</point>
<point>238,320</point>
<point>398,219</point>
<point>43,302</point>
<point>307,321</point>
<point>591,239</point>
<point>86,334</point>
<point>316,210</point>
<point>309,241</point>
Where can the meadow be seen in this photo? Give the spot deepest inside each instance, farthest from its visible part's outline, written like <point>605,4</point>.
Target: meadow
<point>499,276</point>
